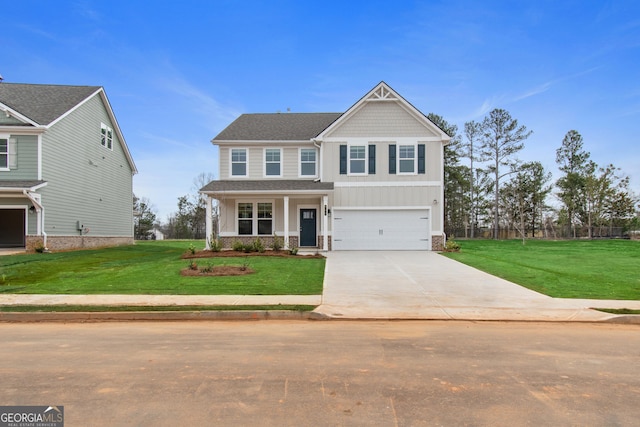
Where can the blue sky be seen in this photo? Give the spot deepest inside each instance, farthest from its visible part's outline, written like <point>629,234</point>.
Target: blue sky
<point>176,73</point>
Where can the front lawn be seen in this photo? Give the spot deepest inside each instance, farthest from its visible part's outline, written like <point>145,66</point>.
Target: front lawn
<point>593,269</point>
<point>154,268</point>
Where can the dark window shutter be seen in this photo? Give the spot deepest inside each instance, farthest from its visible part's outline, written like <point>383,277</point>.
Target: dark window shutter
<point>372,159</point>
<point>421,158</point>
<point>392,159</point>
<point>343,160</point>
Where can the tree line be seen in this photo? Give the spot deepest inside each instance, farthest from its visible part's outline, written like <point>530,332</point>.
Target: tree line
<point>486,187</point>
<point>494,190</point>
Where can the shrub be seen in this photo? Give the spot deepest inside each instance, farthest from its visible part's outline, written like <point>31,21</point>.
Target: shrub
<point>278,243</point>
<point>215,245</point>
<point>207,269</point>
<point>258,245</point>
<point>39,248</point>
<point>193,265</point>
<point>192,249</point>
<point>451,246</point>
<point>293,250</point>
<point>237,246</point>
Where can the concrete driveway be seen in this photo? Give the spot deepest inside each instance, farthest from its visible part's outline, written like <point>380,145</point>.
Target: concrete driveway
<point>427,285</point>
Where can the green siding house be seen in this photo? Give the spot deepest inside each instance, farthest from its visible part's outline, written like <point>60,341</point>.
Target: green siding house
<point>66,173</point>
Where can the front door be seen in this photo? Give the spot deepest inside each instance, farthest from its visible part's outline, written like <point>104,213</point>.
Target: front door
<point>308,236</point>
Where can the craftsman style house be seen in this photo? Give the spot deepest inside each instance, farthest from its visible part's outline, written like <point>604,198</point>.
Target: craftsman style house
<point>65,170</point>
<point>370,178</point>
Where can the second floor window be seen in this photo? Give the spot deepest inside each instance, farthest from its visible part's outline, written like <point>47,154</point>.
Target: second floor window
<point>357,159</point>
<point>307,162</point>
<point>238,162</point>
<point>4,153</point>
<point>406,159</point>
<point>272,162</point>
<point>106,136</point>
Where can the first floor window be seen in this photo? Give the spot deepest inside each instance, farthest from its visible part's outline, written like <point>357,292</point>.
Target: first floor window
<point>245,218</point>
<point>4,153</point>
<point>106,136</point>
<point>238,162</point>
<point>308,162</point>
<point>255,216</point>
<point>265,218</point>
<point>357,156</point>
<point>406,158</point>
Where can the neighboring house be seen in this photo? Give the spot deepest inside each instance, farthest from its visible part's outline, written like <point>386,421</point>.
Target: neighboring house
<point>367,179</point>
<point>65,170</point>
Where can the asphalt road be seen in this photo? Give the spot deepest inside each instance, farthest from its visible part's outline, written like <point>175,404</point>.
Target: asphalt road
<point>325,373</point>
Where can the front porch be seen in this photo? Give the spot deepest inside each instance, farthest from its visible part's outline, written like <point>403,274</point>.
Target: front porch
<point>295,211</point>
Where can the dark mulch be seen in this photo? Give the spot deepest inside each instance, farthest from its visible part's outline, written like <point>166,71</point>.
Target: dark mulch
<point>223,270</point>
<point>230,253</point>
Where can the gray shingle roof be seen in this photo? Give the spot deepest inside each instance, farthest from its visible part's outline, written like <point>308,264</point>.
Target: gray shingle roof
<point>283,185</point>
<point>277,127</point>
<point>43,103</point>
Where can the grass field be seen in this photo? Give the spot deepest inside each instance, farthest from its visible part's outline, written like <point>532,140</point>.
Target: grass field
<point>154,268</point>
<point>597,269</point>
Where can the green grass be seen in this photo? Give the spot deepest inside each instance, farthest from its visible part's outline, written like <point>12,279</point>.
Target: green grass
<point>619,310</point>
<point>154,268</point>
<point>128,308</point>
<point>593,269</point>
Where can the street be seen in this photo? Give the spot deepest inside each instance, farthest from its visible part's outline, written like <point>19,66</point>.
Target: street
<point>325,373</point>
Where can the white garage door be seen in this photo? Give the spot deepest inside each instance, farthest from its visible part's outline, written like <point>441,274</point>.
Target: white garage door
<point>381,229</point>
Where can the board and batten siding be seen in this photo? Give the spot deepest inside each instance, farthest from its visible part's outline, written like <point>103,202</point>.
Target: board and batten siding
<point>433,162</point>
<point>86,181</point>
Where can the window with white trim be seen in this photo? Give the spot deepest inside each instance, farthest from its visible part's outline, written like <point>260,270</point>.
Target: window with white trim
<point>272,162</point>
<point>357,159</point>
<point>238,162</point>
<point>255,218</point>
<point>4,153</point>
<point>106,136</point>
<point>308,162</point>
<point>265,218</point>
<point>406,159</point>
<point>245,218</point>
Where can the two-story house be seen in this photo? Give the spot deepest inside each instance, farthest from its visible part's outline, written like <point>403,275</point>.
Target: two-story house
<point>370,178</point>
<point>66,174</point>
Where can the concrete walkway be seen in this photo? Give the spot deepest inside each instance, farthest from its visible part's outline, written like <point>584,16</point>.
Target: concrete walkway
<point>427,285</point>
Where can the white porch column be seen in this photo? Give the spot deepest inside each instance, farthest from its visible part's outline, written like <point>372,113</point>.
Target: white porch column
<point>208,222</point>
<point>286,222</point>
<point>325,223</point>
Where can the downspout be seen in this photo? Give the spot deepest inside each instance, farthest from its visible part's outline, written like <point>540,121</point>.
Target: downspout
<point>39,209</point>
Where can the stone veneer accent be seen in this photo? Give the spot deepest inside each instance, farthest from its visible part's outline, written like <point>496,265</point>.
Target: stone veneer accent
<point>65,243</point>
<point>437,243</point>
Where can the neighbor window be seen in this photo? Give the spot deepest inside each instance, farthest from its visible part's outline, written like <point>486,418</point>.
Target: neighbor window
<point>4,153</point>
<point>357,159</point>
<point>406,159</point>
<point>272,162</point>
<point>265,218</point>
<point>307,162</point>
<point>238,162</point>
<point>106,136</point>
<point>245,218</point>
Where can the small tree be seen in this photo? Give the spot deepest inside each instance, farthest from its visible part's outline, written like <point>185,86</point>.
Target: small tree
<point>144,218</point>
<point>501,139</point>
<point>572,161</point>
